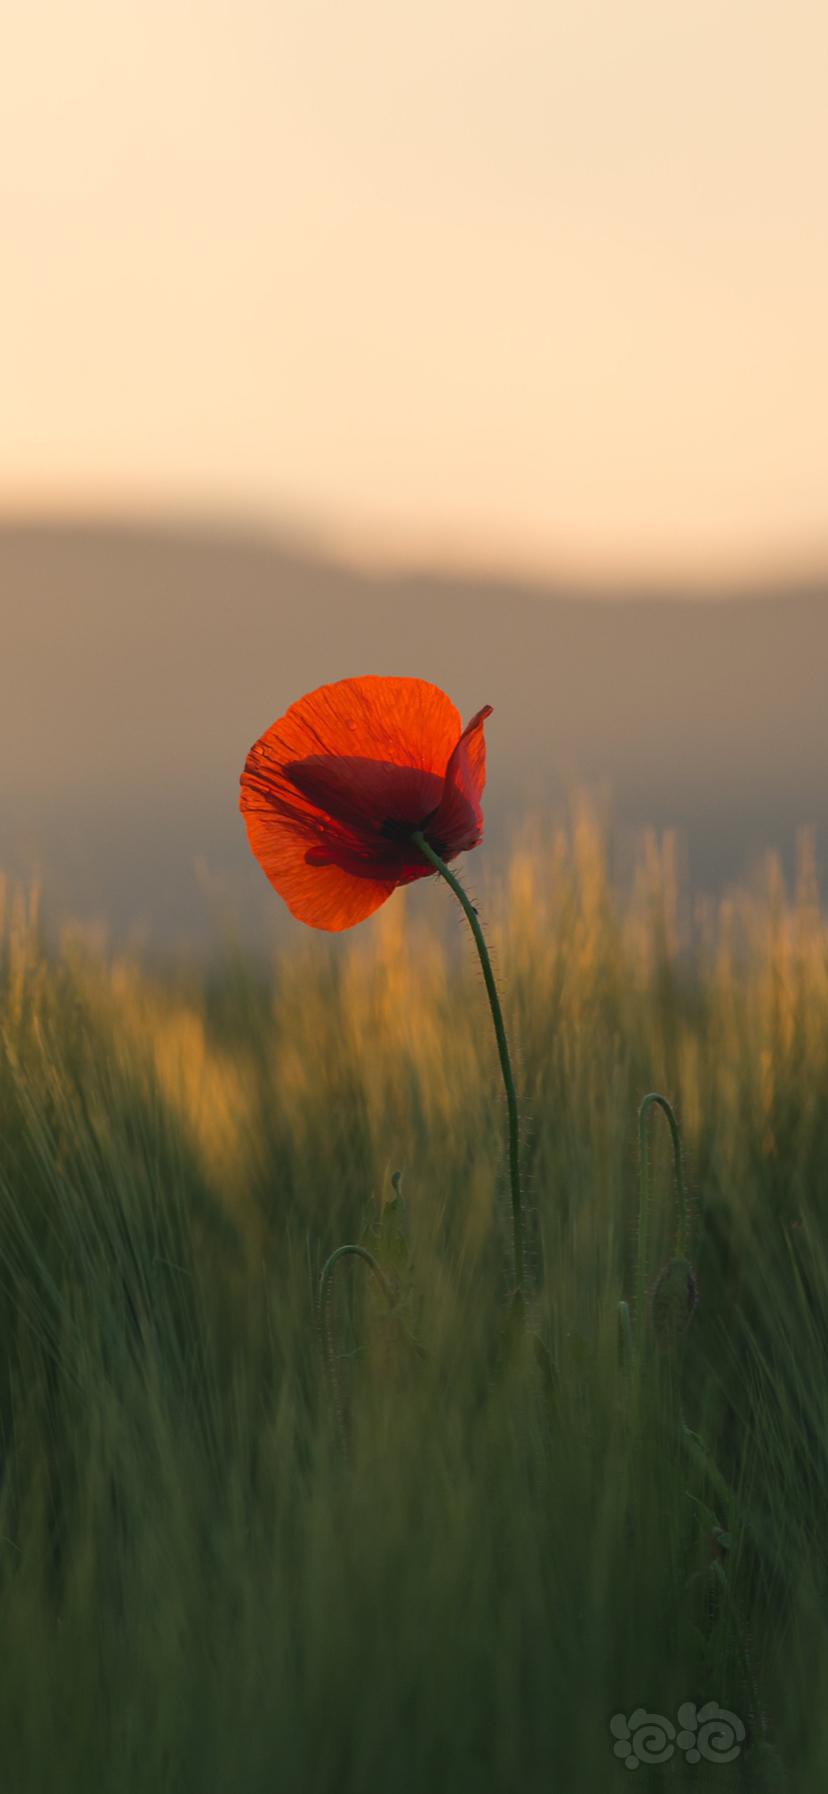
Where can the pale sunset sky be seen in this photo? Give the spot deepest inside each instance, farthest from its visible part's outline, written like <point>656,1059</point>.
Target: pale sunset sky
<point>540,286</point>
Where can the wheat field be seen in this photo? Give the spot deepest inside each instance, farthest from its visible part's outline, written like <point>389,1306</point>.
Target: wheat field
<point>249,1545</point>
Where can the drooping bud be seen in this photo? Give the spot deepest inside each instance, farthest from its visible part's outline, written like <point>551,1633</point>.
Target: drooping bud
<point>673,1301</point>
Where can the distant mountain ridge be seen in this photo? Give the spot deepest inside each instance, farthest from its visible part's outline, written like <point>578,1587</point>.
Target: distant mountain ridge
<point>137,664</point>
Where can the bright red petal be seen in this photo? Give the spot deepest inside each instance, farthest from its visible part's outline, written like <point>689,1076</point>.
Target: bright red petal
<point>323,895</point>
<point>401,722</point>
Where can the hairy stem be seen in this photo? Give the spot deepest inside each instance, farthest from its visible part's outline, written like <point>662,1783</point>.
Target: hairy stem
<point>502,1047</point>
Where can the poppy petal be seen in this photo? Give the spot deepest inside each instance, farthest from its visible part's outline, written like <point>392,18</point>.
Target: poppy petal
<point>401,722</point>
<point>458,822</point>
<point>363,794</point>
<point>329,788</point>
<point>316,890</point>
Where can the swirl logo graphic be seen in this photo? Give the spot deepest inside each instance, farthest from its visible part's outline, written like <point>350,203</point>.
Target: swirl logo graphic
<point>643,1738</point>
<point>711,1733</point>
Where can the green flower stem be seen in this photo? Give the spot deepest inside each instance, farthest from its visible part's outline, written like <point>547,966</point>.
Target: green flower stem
<point>656,1100</point>
<point>325,1288</point>
<point>502,1047</point>
<point>352,1252</point>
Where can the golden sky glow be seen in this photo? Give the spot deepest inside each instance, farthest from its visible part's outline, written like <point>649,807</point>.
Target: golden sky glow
<point>543,284</point>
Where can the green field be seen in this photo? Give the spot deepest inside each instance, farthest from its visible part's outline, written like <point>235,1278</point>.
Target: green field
<point>408,1551</point>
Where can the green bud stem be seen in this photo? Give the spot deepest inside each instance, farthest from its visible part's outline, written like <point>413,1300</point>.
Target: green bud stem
<point>651,1101</point>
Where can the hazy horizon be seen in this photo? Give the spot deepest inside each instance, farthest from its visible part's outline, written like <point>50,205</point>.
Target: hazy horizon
<point>139,665</point>
<point>317,539</point>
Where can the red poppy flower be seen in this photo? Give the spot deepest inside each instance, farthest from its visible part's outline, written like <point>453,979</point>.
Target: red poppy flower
<point>332,793</point>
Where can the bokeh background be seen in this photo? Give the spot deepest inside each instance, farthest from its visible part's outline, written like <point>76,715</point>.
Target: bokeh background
<point>486,345</point>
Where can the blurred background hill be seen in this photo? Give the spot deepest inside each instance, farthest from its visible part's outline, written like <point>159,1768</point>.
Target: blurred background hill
<point>140,661</point>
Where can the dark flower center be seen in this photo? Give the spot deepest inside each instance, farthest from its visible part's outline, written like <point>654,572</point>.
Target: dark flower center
<point>392,829</point>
